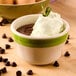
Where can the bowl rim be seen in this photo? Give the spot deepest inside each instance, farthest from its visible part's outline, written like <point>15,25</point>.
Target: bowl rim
<point>23,4</point>
<point>66,30</point>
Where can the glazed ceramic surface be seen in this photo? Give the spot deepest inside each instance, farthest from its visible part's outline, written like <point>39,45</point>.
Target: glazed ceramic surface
<point>38,51</point>
<point>11,11</point>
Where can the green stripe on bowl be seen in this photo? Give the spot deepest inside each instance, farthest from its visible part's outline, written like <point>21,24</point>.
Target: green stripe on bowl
<point>40,43</point>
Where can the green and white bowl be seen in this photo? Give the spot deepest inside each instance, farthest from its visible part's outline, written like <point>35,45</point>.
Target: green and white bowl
<point>38,51</point>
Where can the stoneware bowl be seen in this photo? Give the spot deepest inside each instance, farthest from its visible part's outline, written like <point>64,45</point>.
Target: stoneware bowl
<point>12,11</point>
<point>38,51</point>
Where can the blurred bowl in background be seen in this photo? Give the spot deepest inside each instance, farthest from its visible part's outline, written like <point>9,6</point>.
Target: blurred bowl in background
<point>13,11</point>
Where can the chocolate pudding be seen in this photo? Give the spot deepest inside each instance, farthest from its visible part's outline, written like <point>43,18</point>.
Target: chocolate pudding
<point>26,29</point>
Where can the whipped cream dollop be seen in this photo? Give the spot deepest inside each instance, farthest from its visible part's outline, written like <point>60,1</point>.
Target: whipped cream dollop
<point>48,26</point>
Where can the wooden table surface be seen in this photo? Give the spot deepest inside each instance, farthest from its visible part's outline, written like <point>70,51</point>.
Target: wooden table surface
<point>67,64</point>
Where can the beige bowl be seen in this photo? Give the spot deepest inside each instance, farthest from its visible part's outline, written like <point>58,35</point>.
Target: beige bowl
<point>12,11</point>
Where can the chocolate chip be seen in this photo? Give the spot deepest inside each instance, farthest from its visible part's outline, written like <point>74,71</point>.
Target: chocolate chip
<point>66,42</point>
<point>7,46</point>
<point>5,60</point>
<point>1,58</point>
<point>5,21</point>
<point>14,2</point>
<point>0,72</point>
<point>7,63</point>
<point>10,39</point>
<point>4,36</point>
<point>67,54</point>
<point>4,70</point>
<point>13,64</point>
<point>56,64</point>
<point>30,72</point>
<point>2,51</point>
<point>0,47</point>
<point>1,24</point>
<point>68,37</point>
<point>18,73</point>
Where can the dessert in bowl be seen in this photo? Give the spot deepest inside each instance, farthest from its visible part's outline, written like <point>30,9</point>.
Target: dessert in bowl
<point>38,47</point>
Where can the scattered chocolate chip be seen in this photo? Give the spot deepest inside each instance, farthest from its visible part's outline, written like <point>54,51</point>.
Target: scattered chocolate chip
<point>5,21</point>
<point>7,63</point>
<point>66,42</point>
<point>18,73</point>
<point>10,39</point>
<point>14,2</point>
<point>5,60</point>
<point>4,36</point>
<point>68,37</point>
<point>1,24</point>
<point>0,47</point>
<point>2,51</point>
<point>56,64</point>
<point>67,54</point>
<point>7,46</point>
<point>0,72</point>
<point>13,64</point>
<point>30,72</point>
<point>1,58</point>
<point>4,70</point>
